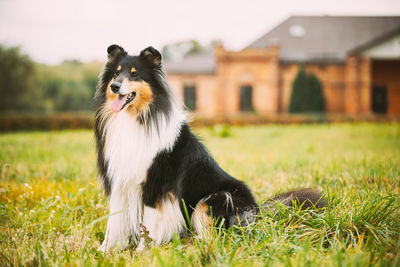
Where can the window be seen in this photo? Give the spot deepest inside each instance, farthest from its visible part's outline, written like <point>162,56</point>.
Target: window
<point>189,96</point>
<point>246,95</point>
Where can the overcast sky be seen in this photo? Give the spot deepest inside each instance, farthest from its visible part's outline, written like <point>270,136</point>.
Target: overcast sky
<point>51,31</point>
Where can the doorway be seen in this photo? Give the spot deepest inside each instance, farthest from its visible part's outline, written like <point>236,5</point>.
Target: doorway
<point>246,98</point>
<point>379,99</point>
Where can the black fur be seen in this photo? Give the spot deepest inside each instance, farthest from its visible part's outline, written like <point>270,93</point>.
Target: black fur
<point>115,50</point>
<point>152,56</point>
<point>191,174</point>
<point>304,197</point>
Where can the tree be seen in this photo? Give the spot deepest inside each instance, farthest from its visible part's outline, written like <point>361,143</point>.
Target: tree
<point>307,94</point>
<point>317,99</point>
<point>69,86</point>
<point>297,97</point>
<point>19,82</point>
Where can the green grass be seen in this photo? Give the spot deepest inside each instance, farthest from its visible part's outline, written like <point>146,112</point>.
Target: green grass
<point>53,211</point>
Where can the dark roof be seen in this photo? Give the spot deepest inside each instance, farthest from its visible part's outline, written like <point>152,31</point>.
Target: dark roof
<point>203,63</point>
<point>325,38</point>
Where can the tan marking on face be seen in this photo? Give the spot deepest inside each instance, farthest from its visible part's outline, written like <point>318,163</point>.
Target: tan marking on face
<point>133,69</point>
<point>119,68</point>
<point>143,98</point>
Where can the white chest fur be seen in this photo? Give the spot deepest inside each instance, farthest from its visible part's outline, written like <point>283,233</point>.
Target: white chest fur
<point>130,147</point>
<point>129,151</point>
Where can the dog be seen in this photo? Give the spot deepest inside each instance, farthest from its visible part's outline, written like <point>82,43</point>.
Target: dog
<point>158,177</point>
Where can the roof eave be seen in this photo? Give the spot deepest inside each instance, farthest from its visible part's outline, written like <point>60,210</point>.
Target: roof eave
<point>313,61</point>
<point>190,73</point>
<point>361,48</point>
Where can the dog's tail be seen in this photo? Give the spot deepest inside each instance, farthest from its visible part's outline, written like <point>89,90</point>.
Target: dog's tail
<point>305,198</point>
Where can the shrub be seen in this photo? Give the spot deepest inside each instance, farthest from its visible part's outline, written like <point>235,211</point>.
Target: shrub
<point>19,82</point>
<point>317,99</point>
<point>307,94</point>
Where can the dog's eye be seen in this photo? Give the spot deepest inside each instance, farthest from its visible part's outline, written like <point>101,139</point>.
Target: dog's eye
<point>116,73</point>
<point>134,74</point>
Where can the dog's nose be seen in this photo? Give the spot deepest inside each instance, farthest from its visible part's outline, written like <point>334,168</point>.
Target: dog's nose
<point>115,87</point>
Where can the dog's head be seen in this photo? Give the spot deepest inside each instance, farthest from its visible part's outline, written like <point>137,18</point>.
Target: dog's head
<point>132,83</point>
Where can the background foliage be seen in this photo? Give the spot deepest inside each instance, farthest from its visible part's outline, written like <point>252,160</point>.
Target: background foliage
<point>307,94</point>
<point>26,86</point>
<point>19,81</point>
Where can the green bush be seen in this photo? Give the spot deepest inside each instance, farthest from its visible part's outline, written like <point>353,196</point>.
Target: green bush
<point>19,81</point>
<point>222,131</point>
<point>307,94</point>
<point>317,99</point>
<point>26,86</point>
<point>69,86</point>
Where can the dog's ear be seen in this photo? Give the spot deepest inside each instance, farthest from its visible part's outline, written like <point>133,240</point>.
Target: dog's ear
<point>152,56</point>
<point>114,51</point>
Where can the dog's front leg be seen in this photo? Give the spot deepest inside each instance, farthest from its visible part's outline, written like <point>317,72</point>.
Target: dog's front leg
<point>161,223</point>
<point>155,229</point>
<point>117,233</point>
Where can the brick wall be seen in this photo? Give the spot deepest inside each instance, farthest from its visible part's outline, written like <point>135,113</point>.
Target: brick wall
<point>206,91</point>
<point>357,85</point>
<point>257,68</point>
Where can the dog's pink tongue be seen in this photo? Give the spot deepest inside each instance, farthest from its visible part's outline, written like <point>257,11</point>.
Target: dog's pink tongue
<point>118,103</point>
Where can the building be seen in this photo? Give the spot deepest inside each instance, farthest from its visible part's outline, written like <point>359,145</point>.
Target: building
<point>357,59</point>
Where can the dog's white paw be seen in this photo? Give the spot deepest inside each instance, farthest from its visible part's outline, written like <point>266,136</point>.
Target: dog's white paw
<point>105,247</point>
<point>117,246</point>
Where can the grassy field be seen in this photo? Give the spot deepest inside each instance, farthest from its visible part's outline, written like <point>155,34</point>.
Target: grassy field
<point>53,211</point>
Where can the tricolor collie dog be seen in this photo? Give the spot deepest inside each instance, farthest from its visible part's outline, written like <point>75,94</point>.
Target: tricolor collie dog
<point>151,165</point>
